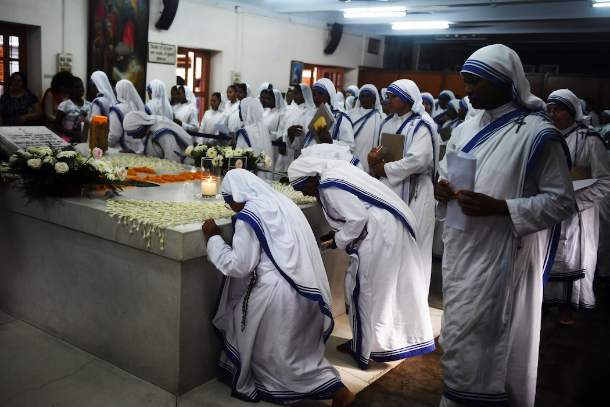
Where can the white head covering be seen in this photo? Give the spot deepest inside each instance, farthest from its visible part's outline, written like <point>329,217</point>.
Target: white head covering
<point>308,96</point>
<point>428,97</point>
<point>285,235</point>
<point>606,113</point>
<point>280,103</point>
<point>570,102</point>
<point>264,85</point>
<point>447,93</point>
<point>159,95</point>
<point>326,86</point>
<point>135,121</point>
<point>101,82</point>
<point>454,105</point>
<point>349,103</point>
<point>126,93</point>
<point>501,65</point>
<point>330,152</point>
<point>354,89</point>
<point>249,91</point>
<point>292,103</point>
<point>384,92</point>
<point>352,180</point>
<point>371,89</point>
<point>252,115</point>
<point>190,97</point>
<point>341,101</point>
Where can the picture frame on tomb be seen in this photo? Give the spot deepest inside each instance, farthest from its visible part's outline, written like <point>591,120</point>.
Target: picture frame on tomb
<point>296,73</point>
<point>118,42</point>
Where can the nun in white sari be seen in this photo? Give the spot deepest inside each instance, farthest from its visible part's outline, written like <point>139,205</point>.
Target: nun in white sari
<point>341,131</point>
<point>571,280</point>
<point>352,91</point>
<point>272,117</point>
<point>129,101</point>
<point>366,125</point>
<point>493,272</point>
<point>160,136</point>
<point>331,152</point>
<point>105,98</point>
<point>413,177</point>
<point>158,103</point>
<point>273,314</point>
<point>454,119</point>
<point>213,116</point>
<point>385,288</point>
<point>185,111</point>
<point>254,133</point>
<point>440,112</point>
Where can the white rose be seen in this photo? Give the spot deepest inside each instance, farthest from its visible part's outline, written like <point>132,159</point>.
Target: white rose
<point>267,162</point>
<point>189,150</point>
<point>97,152</point>
<point>34,163</point>
<point>66,154</point>
<point>122,174</point>
<point>61,168</point>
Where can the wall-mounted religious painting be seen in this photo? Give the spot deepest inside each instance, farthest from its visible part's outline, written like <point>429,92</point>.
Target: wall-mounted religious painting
<point>118,41</point>
<point>296,73</point>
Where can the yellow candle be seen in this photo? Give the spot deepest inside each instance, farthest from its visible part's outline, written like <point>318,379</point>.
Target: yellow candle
<point>208,188</point>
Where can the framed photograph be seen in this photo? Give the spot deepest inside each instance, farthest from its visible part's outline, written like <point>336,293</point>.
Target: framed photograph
<point>374,45</point>
<point>118,41</point>
<point>296,73</point>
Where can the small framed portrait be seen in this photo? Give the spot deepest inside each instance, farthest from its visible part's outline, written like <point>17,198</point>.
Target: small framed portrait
<point>296,73</point>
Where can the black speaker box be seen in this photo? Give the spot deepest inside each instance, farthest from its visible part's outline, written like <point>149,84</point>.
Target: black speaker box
<point>167,16</point>
<point>335,38</point>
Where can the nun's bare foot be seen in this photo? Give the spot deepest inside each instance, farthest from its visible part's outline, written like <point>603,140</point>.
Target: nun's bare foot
<point>565,316</point>
<point>343,348</point>
<point>343,397</point>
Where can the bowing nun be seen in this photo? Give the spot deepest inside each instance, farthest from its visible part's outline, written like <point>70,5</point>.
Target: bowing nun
<point>273,313</point>
<point>386,296</point>
<point>570,284</point>
<point>411,178</point>
<point>160,136</point>
<point>331,152</point>
<point>129,101</point>
<point>104,99</point>
<point>254,133</point>
<point>159,104</point>
<point>366,117</point>
<point>341,132</point>
<point>493,271</point>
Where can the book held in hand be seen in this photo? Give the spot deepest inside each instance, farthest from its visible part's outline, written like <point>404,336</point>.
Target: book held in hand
<point>322,120</point>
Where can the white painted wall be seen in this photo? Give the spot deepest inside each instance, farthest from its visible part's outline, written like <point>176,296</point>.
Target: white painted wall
<point>261,48</point>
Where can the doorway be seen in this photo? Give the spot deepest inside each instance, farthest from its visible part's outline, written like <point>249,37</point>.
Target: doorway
<point>194,66</point>
<point>311,73</point>
<point>13,53</point>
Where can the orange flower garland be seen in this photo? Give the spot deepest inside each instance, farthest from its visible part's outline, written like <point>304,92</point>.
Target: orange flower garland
<point>165,178</point>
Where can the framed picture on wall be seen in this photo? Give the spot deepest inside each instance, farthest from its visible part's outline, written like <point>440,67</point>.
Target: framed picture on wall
<point>296,73</point>
<point>118,41</point>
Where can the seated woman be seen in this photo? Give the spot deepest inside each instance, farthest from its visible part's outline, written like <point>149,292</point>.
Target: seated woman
<point>185,114</point>
<point>158,104</point>
<point>386,295</point>
<point>129,101</point>
<point>105,98</point>
<point>61,86</point>
<point>341,132</point>
<point>254,132</point>
<point>72,113</point>
<point>160,136</point>
<point>213,116</point>
<point>274,308</point>
<point>19,106</point>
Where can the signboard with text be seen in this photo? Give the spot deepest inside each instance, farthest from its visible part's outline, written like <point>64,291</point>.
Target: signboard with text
<point>161,53</point>
<point>22,137</point>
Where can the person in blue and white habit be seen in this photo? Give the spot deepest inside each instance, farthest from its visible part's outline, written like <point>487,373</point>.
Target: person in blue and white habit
<point>129,101</point>
<point>105,98</point>
<point>386,296</point>
<point>570,283</point>
<point>160,136</point>
<point>411,178</point>
<point>158,104</point>
<point>254,132</point>
<point>341,132</point>
<point>273,313</point>
<point>493,272</point>
<point>453,118</point>
<point>440,106</point>
<point>366,117</point>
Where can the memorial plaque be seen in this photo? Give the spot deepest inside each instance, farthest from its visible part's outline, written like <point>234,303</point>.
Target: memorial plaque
<point>22,137</point>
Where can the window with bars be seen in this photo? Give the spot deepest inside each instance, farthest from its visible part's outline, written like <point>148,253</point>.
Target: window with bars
<point>13,53</point>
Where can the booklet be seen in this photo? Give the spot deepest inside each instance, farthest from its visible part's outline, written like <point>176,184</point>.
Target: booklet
<point>462,170</point>
<point>323,119</point>
<point>223,128</point>
<point>392,147</point>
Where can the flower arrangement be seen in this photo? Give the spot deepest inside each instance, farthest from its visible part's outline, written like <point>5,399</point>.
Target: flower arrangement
<point>140,161</point>
<point>221,154</point>
<point>48,171</point>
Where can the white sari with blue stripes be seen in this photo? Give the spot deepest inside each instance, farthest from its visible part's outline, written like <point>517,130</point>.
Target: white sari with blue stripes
<point>571,279</point>
<point>117,136</point>
<point>164,138</point>
<point>493,273</point>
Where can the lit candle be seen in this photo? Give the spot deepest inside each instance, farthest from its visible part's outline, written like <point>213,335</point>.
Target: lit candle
<point>208,188</point>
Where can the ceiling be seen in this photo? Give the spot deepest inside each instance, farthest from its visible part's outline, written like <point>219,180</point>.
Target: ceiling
<point>466,17</point>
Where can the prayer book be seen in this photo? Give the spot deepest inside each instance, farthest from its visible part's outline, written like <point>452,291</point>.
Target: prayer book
<point>445,133</point>
<point>323,119</point>
<point>581,173</point>
<point>223,128</point>
<point>392,147</point>
<point>462,170</point>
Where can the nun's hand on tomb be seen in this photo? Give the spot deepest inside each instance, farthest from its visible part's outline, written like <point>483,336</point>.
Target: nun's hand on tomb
<point>475,204</point>
<point>210,229</point>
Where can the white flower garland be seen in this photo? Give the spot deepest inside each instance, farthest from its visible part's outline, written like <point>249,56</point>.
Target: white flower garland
<point>154,216</point>
<point>144,161</point>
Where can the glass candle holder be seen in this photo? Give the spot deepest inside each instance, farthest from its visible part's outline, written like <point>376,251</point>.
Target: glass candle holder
<point>210,178</point>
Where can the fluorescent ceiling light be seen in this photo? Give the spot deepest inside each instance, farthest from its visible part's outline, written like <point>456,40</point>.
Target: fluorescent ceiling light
<point>421,25</point>
<point>601,3</point>
<point>374,12</point>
